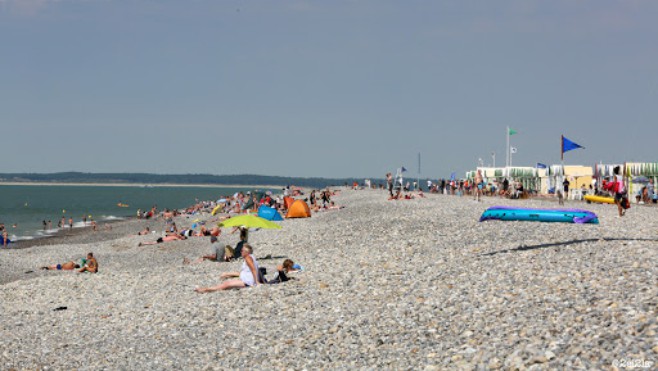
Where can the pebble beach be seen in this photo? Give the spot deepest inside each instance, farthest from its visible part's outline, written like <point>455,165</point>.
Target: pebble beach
<point>406,284</point>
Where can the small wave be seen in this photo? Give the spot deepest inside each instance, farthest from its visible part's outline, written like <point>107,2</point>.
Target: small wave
<point>110,218</point>
<point>22,238</point>
<point>47,232</point>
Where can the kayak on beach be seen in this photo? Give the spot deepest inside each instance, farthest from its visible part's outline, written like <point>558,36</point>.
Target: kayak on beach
<point>539,215</point>
<point>599,199</point>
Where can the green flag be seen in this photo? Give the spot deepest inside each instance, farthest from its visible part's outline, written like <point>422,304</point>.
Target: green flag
<point>511,131</point>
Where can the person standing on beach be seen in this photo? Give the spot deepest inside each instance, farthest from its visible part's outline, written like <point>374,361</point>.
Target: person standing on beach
<point>617,186</point>
<point>50,224</point>
<point>479,184</point>
<point>566,185</point>
<point>71,223</point>
<point>650,191</point>
<point>312,198</point>
<point>44,225</point>
<point>389,183</point>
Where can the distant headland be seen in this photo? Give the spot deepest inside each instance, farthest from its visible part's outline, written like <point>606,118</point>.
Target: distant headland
<point>79,178</point>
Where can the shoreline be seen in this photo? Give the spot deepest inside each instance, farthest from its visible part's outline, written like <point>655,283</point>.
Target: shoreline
<point>66,235</point>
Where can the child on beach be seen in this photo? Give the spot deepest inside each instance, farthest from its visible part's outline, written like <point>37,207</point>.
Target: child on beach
<point>5,238</point>
<point>287,267</point>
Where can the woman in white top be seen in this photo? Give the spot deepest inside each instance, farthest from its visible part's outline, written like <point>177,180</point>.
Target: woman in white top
<point>248,276</point>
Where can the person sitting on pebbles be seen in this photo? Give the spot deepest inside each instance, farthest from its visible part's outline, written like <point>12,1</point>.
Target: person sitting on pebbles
<point>144,231</point>
<point>219,253</point>
<point>91,265</point>
<point>247,277</point>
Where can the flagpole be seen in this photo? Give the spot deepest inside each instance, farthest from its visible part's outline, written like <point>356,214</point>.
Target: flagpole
<point>418,180</point>
<point>507,154</point>
<point>564,174</point>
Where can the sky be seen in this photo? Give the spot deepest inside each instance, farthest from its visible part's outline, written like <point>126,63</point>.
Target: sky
<point>324,88</point>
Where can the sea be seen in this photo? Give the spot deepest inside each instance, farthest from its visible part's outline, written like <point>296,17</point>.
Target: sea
<point>23,208</point>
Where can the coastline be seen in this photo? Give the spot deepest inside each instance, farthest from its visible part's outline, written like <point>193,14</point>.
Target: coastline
<point>76,235</point>
<point>145,185</point>
<point>421,285</point>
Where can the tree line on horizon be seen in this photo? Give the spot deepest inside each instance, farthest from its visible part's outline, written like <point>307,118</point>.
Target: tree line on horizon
<point>145,178</point>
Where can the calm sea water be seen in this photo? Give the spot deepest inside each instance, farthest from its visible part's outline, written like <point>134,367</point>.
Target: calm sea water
<point>27,206</point>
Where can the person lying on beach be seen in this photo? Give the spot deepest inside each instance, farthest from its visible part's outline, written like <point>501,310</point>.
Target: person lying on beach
<point>144,232</point>
<point>247,277</point>
<point>91,265</point>
<point>68,266</point>
<point>167,238</point>
<point>333,206</point>
<point>287,267</point>
<point>397,195</point>
<point>188,232</point>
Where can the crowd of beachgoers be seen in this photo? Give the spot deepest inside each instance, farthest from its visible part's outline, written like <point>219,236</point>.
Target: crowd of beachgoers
<point>379,284</point>
<point>207,214</point>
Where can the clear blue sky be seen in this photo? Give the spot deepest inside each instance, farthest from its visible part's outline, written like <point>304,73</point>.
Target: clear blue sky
<point>323,88</point>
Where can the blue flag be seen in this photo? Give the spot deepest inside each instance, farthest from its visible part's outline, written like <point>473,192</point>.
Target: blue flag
<point>403,169</point>
<point>568,145</point>
<point>541,166</point>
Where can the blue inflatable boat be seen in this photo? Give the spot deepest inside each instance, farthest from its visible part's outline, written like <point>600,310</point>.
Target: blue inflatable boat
<point>539,215</point>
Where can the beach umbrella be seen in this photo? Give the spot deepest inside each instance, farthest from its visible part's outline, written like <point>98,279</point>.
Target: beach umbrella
<point>249,221</point>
